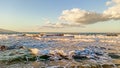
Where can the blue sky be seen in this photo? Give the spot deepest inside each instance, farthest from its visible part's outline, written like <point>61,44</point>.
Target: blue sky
<point>30,15</point>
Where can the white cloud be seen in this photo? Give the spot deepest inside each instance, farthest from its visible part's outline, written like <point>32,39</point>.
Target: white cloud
<point>108,3</point>
<point>114,11</point>
<point>81,16</point>
<point>50,24</point>
<point>116,1</point>
<point>77,18</point>
<point>53,25</point>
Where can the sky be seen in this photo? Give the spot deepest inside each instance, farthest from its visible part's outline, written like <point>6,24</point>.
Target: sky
<point>60,15</point>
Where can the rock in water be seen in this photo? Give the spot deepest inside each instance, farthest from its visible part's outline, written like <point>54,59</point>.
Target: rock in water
<point>107,66</point>
<point>79,57</point>
<point>45,57</point>
<point>3,47</point>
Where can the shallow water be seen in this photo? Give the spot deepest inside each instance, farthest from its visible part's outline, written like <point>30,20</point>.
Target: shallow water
<point>107,44</point>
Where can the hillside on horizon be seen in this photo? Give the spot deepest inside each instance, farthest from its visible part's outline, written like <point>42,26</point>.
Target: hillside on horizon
<point>6,31</point>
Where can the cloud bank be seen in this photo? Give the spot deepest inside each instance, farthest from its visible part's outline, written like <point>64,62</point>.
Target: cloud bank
<point>81,16</point>
<point>76,17</point>
<point>59,24</point>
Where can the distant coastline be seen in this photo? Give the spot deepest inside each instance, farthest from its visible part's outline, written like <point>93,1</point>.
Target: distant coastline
<point>74,33</point>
